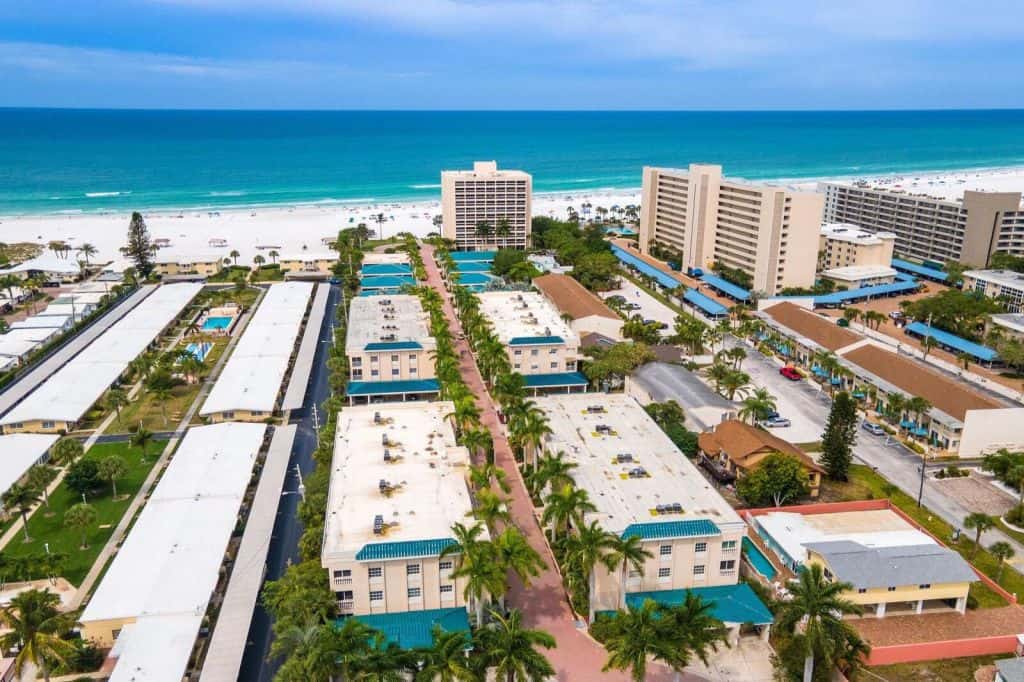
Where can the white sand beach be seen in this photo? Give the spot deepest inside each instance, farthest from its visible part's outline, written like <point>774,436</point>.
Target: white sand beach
<point>286,229</point>
<point>306,227</point>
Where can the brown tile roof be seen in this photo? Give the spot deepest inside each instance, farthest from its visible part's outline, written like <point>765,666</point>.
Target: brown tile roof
<point>951,396</point>
<point>821,330</point>
<point>572,298</point>
<point>739,441</point>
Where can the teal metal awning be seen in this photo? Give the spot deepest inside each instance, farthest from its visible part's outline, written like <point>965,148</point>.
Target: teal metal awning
<point>535,340</point>
<point>412,629</point>
<point>672,529</point>
<point>731,604</point>
<point>356,388</point>
<point>554,380</point>
<point>378,551</point>
<point>393,345</point>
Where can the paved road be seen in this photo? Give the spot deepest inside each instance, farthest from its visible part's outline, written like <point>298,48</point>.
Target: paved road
<point>808,407</point>
<point>284,543</point>
<point>28,382</point>
<point>650,307</point>
<point>544,603</point>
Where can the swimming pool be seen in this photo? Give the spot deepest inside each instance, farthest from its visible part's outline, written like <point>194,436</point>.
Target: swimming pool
<point>199,350</point>
<point>758,560</point>
<point>216,323</point>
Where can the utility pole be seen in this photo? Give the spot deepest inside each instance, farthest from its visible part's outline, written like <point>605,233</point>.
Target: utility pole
<point>920,488</point>
<point>302,486</point>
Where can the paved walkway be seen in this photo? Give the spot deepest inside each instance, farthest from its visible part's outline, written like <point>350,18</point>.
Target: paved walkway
<point>544,603</point>
<point>941,626</point>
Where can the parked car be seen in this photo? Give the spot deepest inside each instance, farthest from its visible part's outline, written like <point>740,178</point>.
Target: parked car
<point>791,374</point>
<point>872,428</point>
<point>896,315</point>
<point>631,306</point>
<point>776,423</point>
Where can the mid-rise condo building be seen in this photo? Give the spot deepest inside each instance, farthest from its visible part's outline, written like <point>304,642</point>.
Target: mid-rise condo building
<point>932,225</point>
<point>485,208</point>
<point>643,486</point>
<point>1005,285</point>
<point>390,349</point>
<point>769,232</point>
<point>398,485</point>
<point>843,245</point>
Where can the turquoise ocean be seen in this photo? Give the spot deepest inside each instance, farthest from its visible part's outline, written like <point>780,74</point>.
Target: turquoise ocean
<point>71,161</point>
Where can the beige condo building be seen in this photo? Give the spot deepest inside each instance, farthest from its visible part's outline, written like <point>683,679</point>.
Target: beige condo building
<point>398,485</point>
<point>499,198</point>
<point>843,245</point>
<point>967,227</point>
<point>769,232</point>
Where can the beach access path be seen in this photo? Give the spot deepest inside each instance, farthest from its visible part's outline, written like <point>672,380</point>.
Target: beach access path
<point>544,604</point>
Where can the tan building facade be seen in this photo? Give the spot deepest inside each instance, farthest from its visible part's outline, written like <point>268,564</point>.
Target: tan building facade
<point>842,245</point>
<point>314,263</point>
<point>501,199</point>
<point>536,337</point>
<point>207,267</point>
<point>770,232</point>
<point>1005,285</point>
<point>968,229</point>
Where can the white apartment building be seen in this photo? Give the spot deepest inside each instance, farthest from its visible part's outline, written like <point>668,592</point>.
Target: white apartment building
<point>541,345</point>
<point>501,199</point>
<point>768,231</point>
<point>842,245</point>
<point>937,223</point>
<point>398,485</point>
<point>641,484</point>
<point>1003,284</point>
<point>390,349</point>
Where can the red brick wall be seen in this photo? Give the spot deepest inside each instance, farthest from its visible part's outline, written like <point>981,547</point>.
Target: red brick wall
<point>932,651</point>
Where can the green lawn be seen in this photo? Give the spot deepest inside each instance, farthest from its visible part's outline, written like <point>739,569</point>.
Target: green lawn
<point>267,273</point>
<point>950,669</point>
<point>864,484</point>
<point>47,525</point>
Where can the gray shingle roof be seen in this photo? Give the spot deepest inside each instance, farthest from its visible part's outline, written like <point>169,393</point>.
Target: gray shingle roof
<point>873,567</point>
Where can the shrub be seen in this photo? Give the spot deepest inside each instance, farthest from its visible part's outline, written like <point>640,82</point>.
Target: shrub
<point>83,476</point>
<point>1016,515</point>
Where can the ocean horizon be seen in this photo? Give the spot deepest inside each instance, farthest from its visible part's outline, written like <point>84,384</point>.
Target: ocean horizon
<point>67,161</point>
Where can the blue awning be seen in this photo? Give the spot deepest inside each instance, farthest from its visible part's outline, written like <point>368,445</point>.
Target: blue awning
<point>708,305</point>
<point>361,388</point>
<point>473,266</point>
<point>385,269</point>
<point>727,288</point>
<point>413,629</point>
<point>393,345</point>
<point>478,279</point>
<point>916,269</point>
<point>957,343</point>
<point>662,278</point>
<point>463,256</point>
<point>733,604</point>
<point>852,295</point>
<point>555,380</point>
<point>535,340</point>
<point>386,281</point>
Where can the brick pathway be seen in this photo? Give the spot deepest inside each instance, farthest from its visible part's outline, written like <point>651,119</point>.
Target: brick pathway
<point>938,627</point>
<point>544,604</point>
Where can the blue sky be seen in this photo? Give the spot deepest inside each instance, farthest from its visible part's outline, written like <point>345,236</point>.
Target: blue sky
<point>511,54</point>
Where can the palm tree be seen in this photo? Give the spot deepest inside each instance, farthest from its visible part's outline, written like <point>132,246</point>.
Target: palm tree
<point>20,499</point>
<point>818,605</point>
<point>638,634</point>
<point>162,394</point>
<point>445,659</point>
<point>490,508</point>
<point>234,256</point>
<point>517,555</point>
<point>919,407</point>
<point>531,433</point>
<point>115,400</point>
<point>483,476</point>
<point>737,355</point>
<point>66,451</point>
<point>466,413</point>
<point>927,344</point>
<point>1004,552</point>
<point>111,469</point>
<point>564,507</point>
<point>694,620</point>
<point>273,256</point>
<point>589,546</point>
<point>895,403</point>
<point>37,630</point>
<point>717,373</point>
<point>81,516</point>
<point>511,650</point>
<point>627,553</point>
<point>735,382</point>
<point>552,471</point>
<point>757,405</point>
<point>385,662</point>
<point>332,651</point>
<point>141,438</point>
<point>259,260</point>
<point>9,283</point>
<point>380,220</point>
<point>503,229</point>
<point>484,230</point>
<point>38,478</point>
<point>87,250</point>
<point>471,564</point>
<point>476,441</point>
<point>979,522</point>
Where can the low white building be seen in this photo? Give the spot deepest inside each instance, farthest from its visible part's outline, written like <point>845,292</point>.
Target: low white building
<point>21,452</point>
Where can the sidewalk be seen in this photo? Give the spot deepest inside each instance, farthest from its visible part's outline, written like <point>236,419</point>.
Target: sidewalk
<point>544,604</point>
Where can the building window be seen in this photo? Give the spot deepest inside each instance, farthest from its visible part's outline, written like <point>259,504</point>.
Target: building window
<point>700,547</point>
<point>374,373</point>
<point>534,352</point>
<point>395,372</point>
<point>698,569</point>
<point>375,572</point>
<point>664,572</point>
<point>415,592</point>
<point>518,352</point>
<point>633,573</point>
<point>412,569</point>
<point>412,358</point>
<point>357,374</point>
<point>924,586</point>
<point>376,595</point>
<point>665,550</point>
<point>445,565</point>
<point>729,546</point>
<point>554,365</point>
<point>343,576</point>
<point>345,596</point>
<point>357,362</point>
<point>892,588</point>
<point>394,358</point>
<point>862,590</point>
<point>448,589</point>
<point>827,573</point>
<point>727,566</point>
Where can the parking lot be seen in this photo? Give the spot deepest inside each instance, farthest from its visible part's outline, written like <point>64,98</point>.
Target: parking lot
<point>650,307</point>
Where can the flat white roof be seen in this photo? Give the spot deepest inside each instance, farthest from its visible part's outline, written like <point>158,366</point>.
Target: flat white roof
<point>621,500</point>
<point>155,648</point>
<point>166,256</point>
<point>73,388</point>
<point>16,347</point>
<point>427,467</point>
<point>1014,321</point>
<point>34,333</point>
<point>1005,278</point>
<point>518,314</point>
<point>855,273</point>
<point>873,528</point>
<point>43,322</point>
<point>251,379</point>
<point>486,170</point>
<point>18,453</point>
<point>308,256</point>
<point>170,562</point>
<point>847,232</point>
<point>943,186</point>
<point>386,319</point>
<point>385,258</point>
<point>47,262</point>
